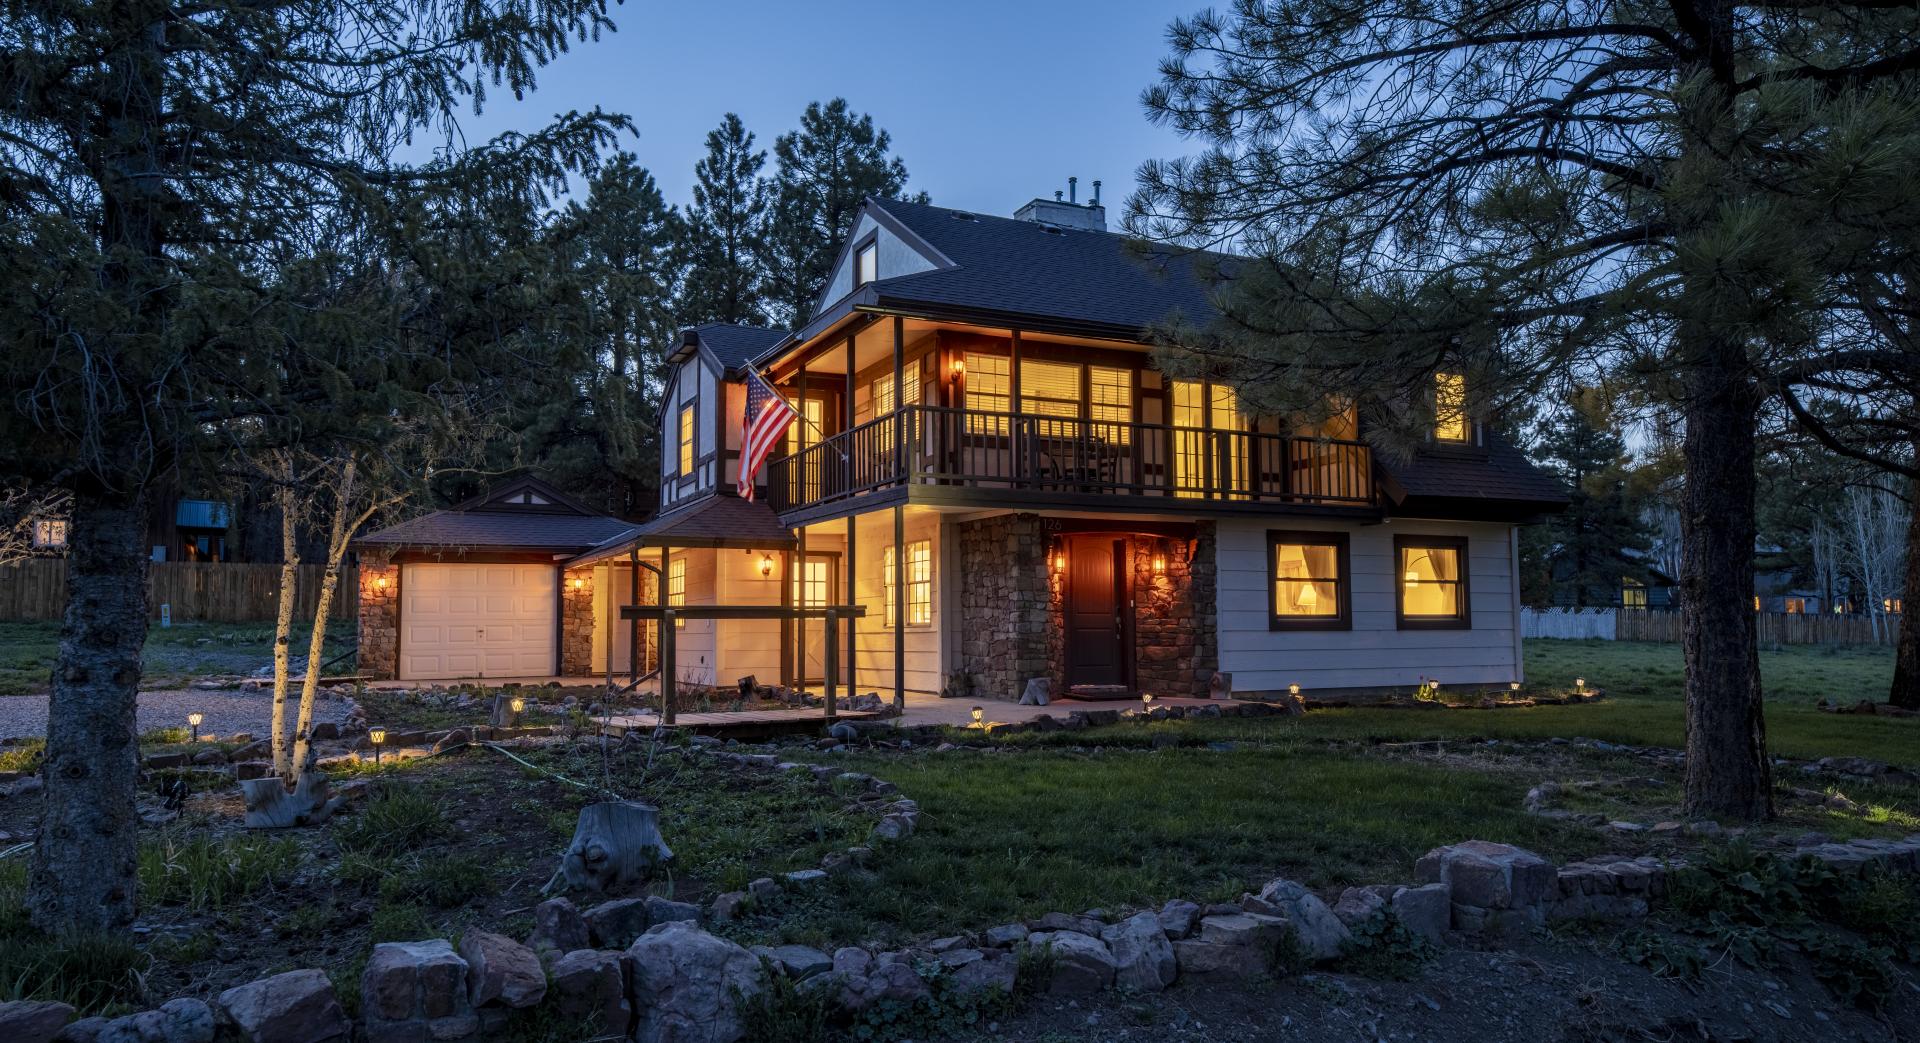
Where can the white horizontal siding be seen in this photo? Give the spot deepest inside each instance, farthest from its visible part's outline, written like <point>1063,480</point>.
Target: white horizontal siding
<point>1375,653</point>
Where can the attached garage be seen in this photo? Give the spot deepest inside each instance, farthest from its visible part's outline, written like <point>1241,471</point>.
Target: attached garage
<point>483,590</point>
<point>477,621</point>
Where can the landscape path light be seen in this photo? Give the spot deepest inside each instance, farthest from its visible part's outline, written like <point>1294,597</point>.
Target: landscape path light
<point>193,722</point>
<point>1580,685</point>
<point>977,713</point>
<point>378,737</point>
<point>1293,689</point>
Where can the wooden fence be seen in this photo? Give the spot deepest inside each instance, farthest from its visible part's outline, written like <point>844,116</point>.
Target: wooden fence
<point>1775,628</point>
<point>196,592</point>
<point>1571,624</point>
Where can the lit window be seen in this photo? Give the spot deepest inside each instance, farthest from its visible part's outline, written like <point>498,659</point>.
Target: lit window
<point>987,392</point>
<point>1110,402</point>
<point>1756,602</point>
<point>883,392</point>
<point>919,584</point>
<point>1633,593</point>
<point>50,532</point>
<point>1200,407</point>
<point>1796,606</point>
<point>1309,580</point>
<point>677,585</point>
<point>1433,582</point>
<point>686,439</point>
<point>1449,407</point>
<point>866,264</point>
<point>811,583</point>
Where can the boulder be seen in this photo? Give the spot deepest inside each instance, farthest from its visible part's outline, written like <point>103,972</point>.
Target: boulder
<point>1178,917</point>
<point>1257,931</point>
<point>501,971</point>
<point>1006,935</point>
<point>1424,910</point>
<point>685,982</point>
<point>1142,957</point>
<point>295,1007</point>
<point>86,1030</point>
<point>1204,961</point>
<point>33,1021</point>
<point>728,907</point>
<point>1484,875</point>
<point>323,731</point>
<point>177,1021</point>
<point>1315,928</point>
<point>860,979</point>
<point>558,927</point>
<point>416,990</point>
<point>1068,922</point>
<point>665,910</point>
<point>615,924</point>
<point>1082,964</point>
<point>798,962</point>
<point>590,987</point>
<point>1357,905</point>
<point>993,971</point>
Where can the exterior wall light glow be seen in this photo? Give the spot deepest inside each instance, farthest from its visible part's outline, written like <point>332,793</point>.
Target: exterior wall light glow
<point>956,369</point>
<point>577,582</point>
<point>379,582</point>
<point>193,722</point>
<point>1159,563</point>
<point>766,565</point>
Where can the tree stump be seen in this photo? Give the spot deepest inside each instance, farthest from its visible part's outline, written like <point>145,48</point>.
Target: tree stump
<point>615,844</point>
<point>271,806</point>
<point>503,715</point>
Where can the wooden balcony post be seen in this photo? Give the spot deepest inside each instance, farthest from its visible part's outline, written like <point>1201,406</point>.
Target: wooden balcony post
<point>900,397</point>
<point>833,662</point>
<point>899,608</point>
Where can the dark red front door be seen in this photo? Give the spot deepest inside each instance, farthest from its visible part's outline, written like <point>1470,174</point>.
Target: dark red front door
<point>1097,607</point>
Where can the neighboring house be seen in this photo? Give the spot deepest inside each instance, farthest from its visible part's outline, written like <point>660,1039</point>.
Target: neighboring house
<point>195,530</point>
<point>1652,589</point>
<point>991,465</point>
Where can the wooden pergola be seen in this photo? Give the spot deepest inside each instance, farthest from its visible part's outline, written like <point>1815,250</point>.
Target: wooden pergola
<point>667,615</point>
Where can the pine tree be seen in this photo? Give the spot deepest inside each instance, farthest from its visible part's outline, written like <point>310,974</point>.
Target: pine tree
<point>1515,192</point>
<point>826,168</point>
<point>208,245</point>
<point>1599,539</point>
<point>725,226</point>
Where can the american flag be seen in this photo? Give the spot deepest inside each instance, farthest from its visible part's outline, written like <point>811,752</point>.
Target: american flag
<point>767,417</point>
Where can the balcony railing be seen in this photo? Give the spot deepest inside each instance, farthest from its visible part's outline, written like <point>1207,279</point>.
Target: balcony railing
<point>929,445</point>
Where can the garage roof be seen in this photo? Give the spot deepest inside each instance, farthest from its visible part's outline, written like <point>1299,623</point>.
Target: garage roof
<point>525,514</point>
<point>715,521</point>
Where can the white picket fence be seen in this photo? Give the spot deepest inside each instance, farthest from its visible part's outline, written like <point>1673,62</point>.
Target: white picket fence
<point>1572,624</point>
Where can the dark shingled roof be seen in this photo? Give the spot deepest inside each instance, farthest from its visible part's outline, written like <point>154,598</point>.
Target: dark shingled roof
<point>736,345</point>
<point>1498,474</point>
<point>711,521</point>
<point>510,530</point>
<point>1069,275</point>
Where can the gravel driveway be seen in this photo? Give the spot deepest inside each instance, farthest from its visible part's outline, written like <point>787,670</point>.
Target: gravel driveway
<point>226,711</point>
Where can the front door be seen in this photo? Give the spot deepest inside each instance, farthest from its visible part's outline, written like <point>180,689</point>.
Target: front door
<point>1097,608</point>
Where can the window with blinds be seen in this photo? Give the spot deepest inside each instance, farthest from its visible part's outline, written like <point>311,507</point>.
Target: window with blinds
<point>883,391</point>
<point>1110,401</point>
<point>988,391</point>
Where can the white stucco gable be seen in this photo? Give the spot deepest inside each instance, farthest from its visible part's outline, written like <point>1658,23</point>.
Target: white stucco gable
<point>899,255</point>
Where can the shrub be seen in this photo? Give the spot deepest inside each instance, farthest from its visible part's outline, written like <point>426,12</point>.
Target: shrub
<point>204,873</point>
<point>23,755</point>
<point>91,973</point>
<point>1859,974</point>
<point>396,819</point>
<point>440,882</point>
<point>399,923</point>
<point>165,736</point>
<point>1382,947</point>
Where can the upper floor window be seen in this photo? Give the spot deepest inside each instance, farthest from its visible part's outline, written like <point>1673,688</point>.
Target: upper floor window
<point>1449,407</point>
<point>988,391</point>
<point>883,398</point>
<point>50,532</point>
<point>686,439</point>
<point>1433,582</point>
<point>866,263</point>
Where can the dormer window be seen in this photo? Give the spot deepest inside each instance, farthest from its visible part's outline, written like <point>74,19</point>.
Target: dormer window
<point>686,439</point>
<point>866,263</point>
<point>1450,408</point>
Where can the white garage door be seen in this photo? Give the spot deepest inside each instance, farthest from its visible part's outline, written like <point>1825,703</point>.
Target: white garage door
<point>470,621</point>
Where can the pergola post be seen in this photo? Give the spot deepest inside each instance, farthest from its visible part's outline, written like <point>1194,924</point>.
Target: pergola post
<point>633,626</point>
<point>899,518</point>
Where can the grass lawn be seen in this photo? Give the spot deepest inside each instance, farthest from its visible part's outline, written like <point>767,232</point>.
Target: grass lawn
<point>173,655</point>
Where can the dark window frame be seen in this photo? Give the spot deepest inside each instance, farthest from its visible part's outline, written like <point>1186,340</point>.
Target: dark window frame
<point>1463,620</point>
<point>872,241</point>
<point>686,443</point>
<point>1342,585</point>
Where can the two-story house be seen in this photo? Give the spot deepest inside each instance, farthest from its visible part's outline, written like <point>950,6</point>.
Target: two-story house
<point>988,460</point>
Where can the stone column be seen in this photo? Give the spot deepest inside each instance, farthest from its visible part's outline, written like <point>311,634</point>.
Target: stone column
<point>379,603</point>
<point>576,623</point>
<point>1005,604</point>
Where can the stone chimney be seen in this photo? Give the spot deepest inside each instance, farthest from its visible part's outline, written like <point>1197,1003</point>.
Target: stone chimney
<point>1068,212</point>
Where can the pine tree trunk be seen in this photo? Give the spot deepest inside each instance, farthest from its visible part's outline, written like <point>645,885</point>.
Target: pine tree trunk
<point>83,876</point>
<point>283,630</point>
<point>1727,774</point>
<point>1906,650</point>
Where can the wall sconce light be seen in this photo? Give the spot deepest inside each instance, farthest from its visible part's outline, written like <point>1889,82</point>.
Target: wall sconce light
<point>379,582</point>
<point>956,369</point>
<point>1059,557</point>
<point>577,582</point>
<point>1159,563</point>
<point>193,722</point>
<point>766,566</point>
<point>378,737</point>
<point>1412,577</point>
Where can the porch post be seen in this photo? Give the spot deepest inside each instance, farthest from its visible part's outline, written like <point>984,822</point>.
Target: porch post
<point>613,615</point>
<point>799,582</point>
<point>853,672</point>
<point>899,609</point>
<point>633,625</point>
<point>786,618</point>
<point>900,398</point>
<point>669,659</point>
<point>833,662</point>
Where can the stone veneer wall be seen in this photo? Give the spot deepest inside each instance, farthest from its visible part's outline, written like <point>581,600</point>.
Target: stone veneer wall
<point>576,623</point>
<point>379,655</point>
<point>1004,604</point>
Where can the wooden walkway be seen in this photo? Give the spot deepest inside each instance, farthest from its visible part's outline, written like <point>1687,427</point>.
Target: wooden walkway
<point>743,722</point>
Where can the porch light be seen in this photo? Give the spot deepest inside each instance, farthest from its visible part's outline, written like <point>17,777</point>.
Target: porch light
<point>1159,563</point>
<point>577,582</point>
<point>766,565</point>
<point>378,737</point>
<point>379,582</point>
<point>193,722</point>
<point>956,369</point>
<point>1059,557</point>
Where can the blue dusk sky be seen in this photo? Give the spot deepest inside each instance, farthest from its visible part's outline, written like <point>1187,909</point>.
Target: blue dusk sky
<point>989,103</point>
